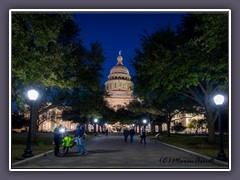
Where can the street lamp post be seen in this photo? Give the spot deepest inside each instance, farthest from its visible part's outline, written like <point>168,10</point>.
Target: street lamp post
<point>32,95</point>
<point>219,100</point>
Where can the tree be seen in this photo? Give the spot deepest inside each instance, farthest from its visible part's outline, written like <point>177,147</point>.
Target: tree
<point>144,109</point>
<point>206,59</point>
<point>192,64</point>
<point>86,105</point>
<point>48,54</point>
<point>34,45</point>
<point>149,86</point>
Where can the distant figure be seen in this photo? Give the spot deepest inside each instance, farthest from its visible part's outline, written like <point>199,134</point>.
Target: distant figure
<point>131,133</point>
<point>57,141</point>
<point>125,134</point>
<point>106,131</point>
<point>143,135</point>
<point>66,143</point>
<point>79,137</point>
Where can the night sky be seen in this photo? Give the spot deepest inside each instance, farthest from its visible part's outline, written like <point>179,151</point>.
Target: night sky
<point>122,31</point>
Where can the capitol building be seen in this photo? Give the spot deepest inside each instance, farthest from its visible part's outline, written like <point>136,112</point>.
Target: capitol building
<point>119,93</point>
<point>119,87</point>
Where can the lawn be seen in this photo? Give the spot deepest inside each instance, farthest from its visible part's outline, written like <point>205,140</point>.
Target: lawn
<point>198,144</point>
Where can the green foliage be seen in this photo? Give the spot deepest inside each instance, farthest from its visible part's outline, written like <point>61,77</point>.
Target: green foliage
<point>126,116</point>
<point>178,127</point>
<point>48,53</point>
<point>192,62</point>
<point>86,105</point>
<point>34,45</point>
<point>196,124</point>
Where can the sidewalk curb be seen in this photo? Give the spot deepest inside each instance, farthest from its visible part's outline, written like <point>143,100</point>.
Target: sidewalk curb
<point>191,152</point>
<point>33,158</point>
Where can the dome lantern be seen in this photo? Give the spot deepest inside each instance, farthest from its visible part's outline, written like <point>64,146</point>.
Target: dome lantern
<point>119,58</point>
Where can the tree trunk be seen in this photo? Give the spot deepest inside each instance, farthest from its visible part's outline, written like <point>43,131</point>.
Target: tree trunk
<point>152,128</point>
<point>168,128</point>
<point>168,124</point>
<point>211,118</point>
<point>160,128</point>
<point>211,132</point>
<point>87,126</point>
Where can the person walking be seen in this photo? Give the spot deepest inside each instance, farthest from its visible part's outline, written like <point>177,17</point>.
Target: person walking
<point>143,135</point>
<point>125,134</point>
<point>75,140</point>
<point>57,141</point>
<point>131,133</point>
<point>66,143</point>
<point>79,137</point>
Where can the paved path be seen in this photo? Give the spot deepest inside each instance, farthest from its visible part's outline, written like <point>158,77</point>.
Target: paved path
<point>112,153</point>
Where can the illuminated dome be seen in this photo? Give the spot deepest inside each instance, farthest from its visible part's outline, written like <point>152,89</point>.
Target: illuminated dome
<point>119,71</point>
<point>119,86</point>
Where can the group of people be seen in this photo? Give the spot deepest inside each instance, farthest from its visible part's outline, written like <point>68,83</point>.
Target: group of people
<point>64,139</point>
<point>131,133</point>
<point>67,142</point>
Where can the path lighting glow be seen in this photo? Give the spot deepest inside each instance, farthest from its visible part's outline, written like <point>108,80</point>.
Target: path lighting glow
<point>144,121</point>
<point>95,121</point>
<point>218,99</point>
<point>62,130</point>
<point>32,95</point>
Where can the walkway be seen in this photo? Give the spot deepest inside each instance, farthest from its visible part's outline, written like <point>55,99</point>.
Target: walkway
<point>112,153</point>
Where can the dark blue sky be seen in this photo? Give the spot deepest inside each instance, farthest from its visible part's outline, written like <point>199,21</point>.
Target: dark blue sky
<point>121,31</point>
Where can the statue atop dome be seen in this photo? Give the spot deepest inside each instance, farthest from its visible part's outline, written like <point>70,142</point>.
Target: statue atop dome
<point>119,58</point>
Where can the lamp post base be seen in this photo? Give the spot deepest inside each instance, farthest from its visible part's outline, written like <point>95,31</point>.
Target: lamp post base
<point>221,156</point>
<point>27,153</point>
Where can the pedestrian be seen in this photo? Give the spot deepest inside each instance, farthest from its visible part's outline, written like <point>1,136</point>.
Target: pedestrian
<point>57,141</point>
<point>125,134</point>
<point>143,135</point>
<point>79,137</point>
<point>131,133</point>
<point>106,131</point>
<point>75,141</point>
<point>66,143</point>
